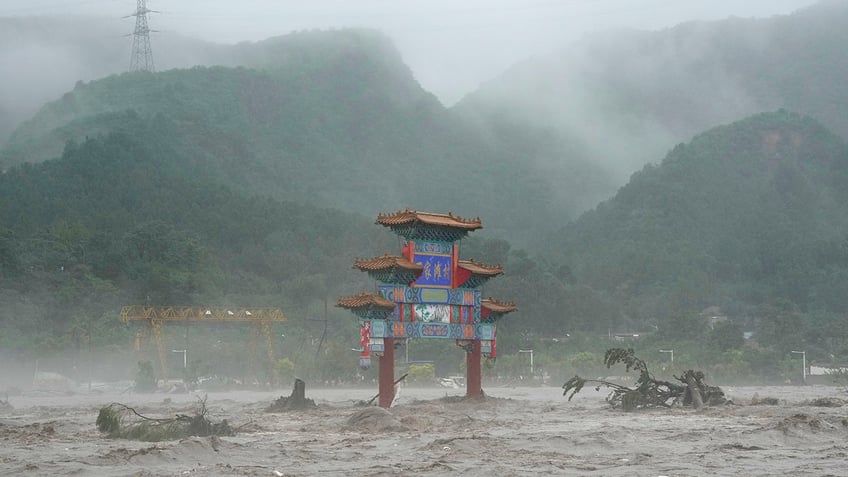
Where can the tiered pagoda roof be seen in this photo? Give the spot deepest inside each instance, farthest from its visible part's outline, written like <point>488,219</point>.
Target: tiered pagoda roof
<point>390,268</point>
<point>414,225</point>
<point>476,274</point>
<point>493,310</point>
<point>367,305</point>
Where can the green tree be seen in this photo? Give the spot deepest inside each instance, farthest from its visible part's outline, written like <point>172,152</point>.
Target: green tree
<point>726,335</point>
<point>780,326</point>
<point>683,326</point>
<point>421,373</point>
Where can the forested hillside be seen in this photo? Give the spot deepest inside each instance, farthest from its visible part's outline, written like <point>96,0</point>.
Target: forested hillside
<point>257,186</point>
<point>118,220</point>
<point>203,186</point>
<point>337,121</point>
<point>129,218</point>
<point>571,127</point>
<point>749,217</point>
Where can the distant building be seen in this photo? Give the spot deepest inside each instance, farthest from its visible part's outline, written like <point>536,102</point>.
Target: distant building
<point>828,374</point>
<point>827,369</point>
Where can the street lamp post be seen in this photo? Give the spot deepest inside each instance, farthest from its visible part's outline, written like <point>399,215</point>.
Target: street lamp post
<point>803,365</point>
<point>670,352</point>
<point>531,357</point>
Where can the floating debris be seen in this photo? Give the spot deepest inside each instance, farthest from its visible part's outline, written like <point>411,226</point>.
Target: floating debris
<point>650,392</point>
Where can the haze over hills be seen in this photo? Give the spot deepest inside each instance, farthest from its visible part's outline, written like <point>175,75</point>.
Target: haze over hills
<point>254,182</point>
<point>750,217</point>
<point>335,119</point>
<point>622,99</point>
<point>579,123</point>
<point>43,57</point>
<point>120,219</point>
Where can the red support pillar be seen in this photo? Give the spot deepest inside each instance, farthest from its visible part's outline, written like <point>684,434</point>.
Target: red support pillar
<point>473,376</point>
<point>387,374</point>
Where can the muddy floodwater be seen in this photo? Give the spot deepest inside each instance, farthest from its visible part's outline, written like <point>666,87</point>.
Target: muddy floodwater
<point>515,431</point>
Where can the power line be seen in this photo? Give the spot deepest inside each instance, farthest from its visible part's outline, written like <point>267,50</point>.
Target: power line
<point>142,55</point>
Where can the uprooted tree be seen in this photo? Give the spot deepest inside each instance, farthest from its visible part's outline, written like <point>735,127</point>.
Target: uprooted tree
<point>120,420</point>
<point>649,392</point>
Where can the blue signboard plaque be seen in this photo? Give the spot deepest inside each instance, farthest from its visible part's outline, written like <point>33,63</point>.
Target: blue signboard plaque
<point>436,265</point>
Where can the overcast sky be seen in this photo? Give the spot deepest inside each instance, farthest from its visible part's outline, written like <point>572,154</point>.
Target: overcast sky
<point>451,45</point>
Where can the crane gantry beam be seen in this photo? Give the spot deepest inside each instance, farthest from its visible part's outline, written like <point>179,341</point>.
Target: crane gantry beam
<point>260,320</point>
<point>195,313</point>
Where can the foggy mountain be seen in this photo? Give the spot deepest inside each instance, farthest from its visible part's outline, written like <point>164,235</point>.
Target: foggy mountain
<point>576,125</point>
<point>621,99</point>
<point>226,183</point>
<point>333,118</point>
<point>43,57</point>
<point>743,215</point>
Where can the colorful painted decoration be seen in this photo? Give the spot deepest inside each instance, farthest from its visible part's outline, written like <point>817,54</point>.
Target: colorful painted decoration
<point>426,292</point>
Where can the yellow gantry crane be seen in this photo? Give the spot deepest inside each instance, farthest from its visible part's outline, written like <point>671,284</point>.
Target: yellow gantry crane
<point>153,317</point>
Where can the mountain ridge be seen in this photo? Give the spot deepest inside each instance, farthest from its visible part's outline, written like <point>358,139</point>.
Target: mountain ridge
<point>629,96</point>
<point>742,214</point>
<point>343,125</point>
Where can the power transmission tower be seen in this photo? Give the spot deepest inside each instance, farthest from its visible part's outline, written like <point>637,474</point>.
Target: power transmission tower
<point>142,54</point>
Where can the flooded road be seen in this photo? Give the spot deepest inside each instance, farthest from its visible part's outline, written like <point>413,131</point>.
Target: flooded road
<point>514,431</point>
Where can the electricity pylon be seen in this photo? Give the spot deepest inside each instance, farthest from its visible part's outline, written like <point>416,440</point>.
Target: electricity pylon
<point>142,54</point>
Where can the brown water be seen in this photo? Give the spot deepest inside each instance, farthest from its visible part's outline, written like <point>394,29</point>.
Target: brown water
<point>515,431</point>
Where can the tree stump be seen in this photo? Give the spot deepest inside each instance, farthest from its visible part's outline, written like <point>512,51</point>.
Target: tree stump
<point>694,391</point>
<point>295,402</point>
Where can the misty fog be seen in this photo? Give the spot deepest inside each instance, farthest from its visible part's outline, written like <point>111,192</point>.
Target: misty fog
<point>48,45</point>
<point>605,86</point>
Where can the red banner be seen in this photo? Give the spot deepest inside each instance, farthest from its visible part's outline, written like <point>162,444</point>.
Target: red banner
<point>364,338</point>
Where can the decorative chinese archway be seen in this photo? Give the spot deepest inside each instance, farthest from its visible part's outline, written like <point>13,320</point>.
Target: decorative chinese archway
<point>426,292</point>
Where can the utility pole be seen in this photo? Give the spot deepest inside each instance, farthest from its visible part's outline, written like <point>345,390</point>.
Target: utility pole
<point>531,358</point>
<point>142,54</point>
<point>803,365</point>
